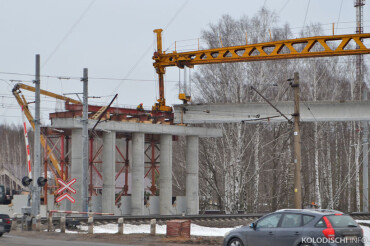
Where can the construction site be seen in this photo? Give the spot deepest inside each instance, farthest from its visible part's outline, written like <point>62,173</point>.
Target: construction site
<point>105,160</point>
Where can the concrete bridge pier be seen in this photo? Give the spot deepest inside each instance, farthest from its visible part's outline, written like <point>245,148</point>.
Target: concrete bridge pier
<point>192,180</point>
<point>137,174</point>
<point>165,177</point>
<point>109,163</point>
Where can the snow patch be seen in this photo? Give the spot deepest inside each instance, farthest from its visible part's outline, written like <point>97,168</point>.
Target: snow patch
<point>195,230</point>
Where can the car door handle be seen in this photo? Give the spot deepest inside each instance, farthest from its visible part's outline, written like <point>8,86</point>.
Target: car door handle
<point>297,233</point>
<point>271,233</point>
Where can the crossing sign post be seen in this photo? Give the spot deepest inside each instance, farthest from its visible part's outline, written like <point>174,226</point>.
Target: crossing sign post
<point>66,186</point>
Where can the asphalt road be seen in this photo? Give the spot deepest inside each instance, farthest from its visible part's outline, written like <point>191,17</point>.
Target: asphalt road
<point>33,238</point>
<point>12,240</point>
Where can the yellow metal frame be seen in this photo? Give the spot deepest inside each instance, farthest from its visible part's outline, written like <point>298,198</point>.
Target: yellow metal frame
<point>284,49</point>
<point>257,52</point>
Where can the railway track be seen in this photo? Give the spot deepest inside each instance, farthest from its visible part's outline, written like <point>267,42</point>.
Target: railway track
<point>213,220</point>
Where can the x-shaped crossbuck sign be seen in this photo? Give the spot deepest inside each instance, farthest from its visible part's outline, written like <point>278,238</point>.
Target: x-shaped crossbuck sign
<point>68,187</point>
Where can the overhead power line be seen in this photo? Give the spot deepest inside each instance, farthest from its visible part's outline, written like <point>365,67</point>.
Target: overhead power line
<point>69,32</point>
<point>145,53</point>
<point>340,11</point>
<point>305,16</point>
<point>286,3</point>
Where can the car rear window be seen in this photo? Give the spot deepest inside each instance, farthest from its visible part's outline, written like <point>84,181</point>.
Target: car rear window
<point>307,219</point>
<point>291,220</point>
<point>340,221</point>
<point>320,224</point>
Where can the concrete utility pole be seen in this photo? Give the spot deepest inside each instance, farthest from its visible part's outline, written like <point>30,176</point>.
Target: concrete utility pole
<point>364,124</point>
<point>297,145</point>
<point>35,208</point>
<point>85,141</point>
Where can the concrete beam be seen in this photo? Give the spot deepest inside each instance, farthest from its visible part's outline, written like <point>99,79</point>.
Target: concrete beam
<point>138,127</point>
<point>192,171</point>
<point>165,179</point>
<point>250,112</point>
<point>137,174</point>
<point>76,169</point>
<point>109,164</point>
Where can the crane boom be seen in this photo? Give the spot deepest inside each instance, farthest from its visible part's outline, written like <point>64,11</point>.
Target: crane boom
<point>46,93</point>
<point>24,105</point>
<point>284,49</point>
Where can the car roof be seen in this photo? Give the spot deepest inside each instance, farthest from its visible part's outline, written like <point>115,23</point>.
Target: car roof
<point>311,211</point>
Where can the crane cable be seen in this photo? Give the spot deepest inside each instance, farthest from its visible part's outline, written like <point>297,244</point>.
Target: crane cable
<point>145,53</point>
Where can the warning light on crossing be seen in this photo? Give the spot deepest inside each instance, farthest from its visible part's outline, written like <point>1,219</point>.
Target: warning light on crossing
<point>41,181</point>
<point>26,181</point>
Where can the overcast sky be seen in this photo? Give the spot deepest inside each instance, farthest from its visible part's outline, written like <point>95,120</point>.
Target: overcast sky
<point>114,39</point>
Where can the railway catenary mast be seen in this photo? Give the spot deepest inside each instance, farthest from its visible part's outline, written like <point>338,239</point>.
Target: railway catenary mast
<point>283,49</point>
<point>365,127</point>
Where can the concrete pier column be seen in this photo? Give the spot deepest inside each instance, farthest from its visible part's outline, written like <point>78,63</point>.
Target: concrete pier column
<point>137,174</point>
<point>165,177</point>
<point>76,169</point>
<point>109,164</point>
<point>192,169</point>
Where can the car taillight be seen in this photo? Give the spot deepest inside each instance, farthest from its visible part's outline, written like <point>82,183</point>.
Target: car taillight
<point>329,232</point>
<point>7,221</point>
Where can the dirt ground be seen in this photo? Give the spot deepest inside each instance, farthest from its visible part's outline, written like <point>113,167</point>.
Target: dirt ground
<point>135,239</point>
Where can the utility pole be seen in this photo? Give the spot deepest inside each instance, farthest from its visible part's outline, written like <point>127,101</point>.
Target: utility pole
<point>364,124</point>
<point>35,208</point>
<point>85,141</point>
<point>297,145</point>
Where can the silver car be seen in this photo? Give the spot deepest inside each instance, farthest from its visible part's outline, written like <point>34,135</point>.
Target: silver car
<point>298,227</point>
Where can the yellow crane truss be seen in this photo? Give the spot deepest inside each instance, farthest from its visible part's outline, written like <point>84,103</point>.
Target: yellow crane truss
<point>336,45</point>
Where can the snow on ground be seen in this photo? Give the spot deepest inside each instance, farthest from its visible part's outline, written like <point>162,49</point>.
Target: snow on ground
<point>366,235</point>
<point>366,230</point>
<point>195,230</point>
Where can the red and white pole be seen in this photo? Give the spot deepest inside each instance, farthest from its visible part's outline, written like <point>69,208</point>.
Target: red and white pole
<point>27,145</point>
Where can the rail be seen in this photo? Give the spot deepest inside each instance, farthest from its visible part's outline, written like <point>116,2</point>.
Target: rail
<point>216,219</point>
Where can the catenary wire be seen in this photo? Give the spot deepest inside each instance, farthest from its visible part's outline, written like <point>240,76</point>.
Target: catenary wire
<point>151,45</point>
<point>305,17</point>
<point>340,10</point>
<point>69,32</point>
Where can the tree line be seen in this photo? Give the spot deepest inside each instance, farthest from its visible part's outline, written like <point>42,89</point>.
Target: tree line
<point>251,167</point>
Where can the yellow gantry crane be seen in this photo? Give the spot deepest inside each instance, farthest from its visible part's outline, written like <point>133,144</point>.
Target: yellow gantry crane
<point>24,104</point>
<point>284,49</point>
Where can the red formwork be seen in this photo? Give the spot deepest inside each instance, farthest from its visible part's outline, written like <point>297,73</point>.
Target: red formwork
<point>60,143</point>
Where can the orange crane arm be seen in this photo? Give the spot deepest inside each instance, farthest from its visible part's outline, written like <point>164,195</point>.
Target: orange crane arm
<point>284,49</point>
<point>46,93</point>
<point>23,103</point>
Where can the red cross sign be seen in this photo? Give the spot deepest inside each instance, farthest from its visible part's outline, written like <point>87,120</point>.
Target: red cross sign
<point>66,195</point>
<point>68,188</point>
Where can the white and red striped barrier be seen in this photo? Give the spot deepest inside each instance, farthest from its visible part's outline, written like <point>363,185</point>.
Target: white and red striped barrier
<point>27,145</point>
